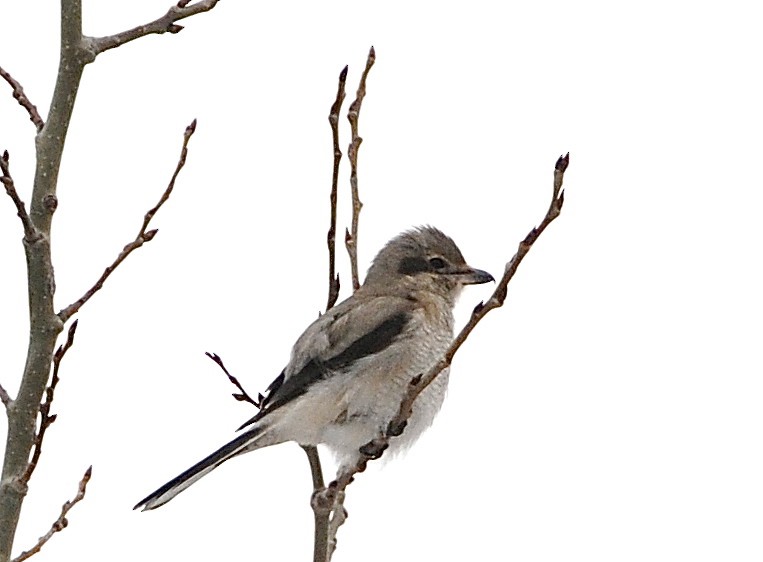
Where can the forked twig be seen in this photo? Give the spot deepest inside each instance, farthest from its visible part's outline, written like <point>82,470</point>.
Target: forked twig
<point>329,510</point>
<point>143,236</point>
<point>322,511</point>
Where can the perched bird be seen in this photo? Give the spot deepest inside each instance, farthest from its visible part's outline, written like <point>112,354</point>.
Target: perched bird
<point>351,368</point>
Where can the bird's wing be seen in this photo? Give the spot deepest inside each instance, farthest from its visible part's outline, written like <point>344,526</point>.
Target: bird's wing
<point>354,329</point>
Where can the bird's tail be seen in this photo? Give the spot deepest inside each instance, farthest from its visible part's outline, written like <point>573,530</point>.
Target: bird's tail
<point>241,444</point>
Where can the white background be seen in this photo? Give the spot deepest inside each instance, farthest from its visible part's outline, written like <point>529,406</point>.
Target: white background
<point>610,411</point>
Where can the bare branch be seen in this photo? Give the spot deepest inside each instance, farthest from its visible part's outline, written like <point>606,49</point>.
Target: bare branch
<point>143,236</point>
<point>374,449</point>
<point>62,522</point>
<point>334,122</point>
<point>44,324</point>
<point>242,396</point>
<point>30,231</point>
<point>20,96</point>
<point>165,24</point>
<point>351,236</point>
<point>46,419</point>
<point>5,398</point>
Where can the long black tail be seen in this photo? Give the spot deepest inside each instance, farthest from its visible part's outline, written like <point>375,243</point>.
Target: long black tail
<point>245,441</point>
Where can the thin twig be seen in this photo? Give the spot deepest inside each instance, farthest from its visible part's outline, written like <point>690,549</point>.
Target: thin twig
<point>351,236</point>
<point>20,96</point>
<point>143,234</point>
<point>165,24</point>
<point>61,523</point>
<point>46,419</point>
<point>375,448</point>
<point>30,231</point>
<point>243,395</point>
<point>331,238</point>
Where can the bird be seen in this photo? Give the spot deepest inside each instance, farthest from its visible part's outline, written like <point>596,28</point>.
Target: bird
<point>350,369</point>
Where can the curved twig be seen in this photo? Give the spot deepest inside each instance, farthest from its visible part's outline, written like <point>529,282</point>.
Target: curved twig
<point>62,522</point>
<point>20,96</point>
<point>143,236</point>
<point>375,448</point>
<point>30,230</point>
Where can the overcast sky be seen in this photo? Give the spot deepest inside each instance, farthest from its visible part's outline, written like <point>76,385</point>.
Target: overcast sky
<point>610,411</point>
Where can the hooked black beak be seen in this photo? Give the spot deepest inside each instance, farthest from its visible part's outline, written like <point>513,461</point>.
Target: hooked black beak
<point>473,276</point>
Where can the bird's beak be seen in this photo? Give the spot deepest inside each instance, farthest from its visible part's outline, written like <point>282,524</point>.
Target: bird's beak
<point>473,276</point>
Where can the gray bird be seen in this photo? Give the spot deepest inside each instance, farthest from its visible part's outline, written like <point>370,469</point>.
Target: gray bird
<point>350,369</point>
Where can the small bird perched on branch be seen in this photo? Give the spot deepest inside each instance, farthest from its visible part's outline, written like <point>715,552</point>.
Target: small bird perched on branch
<point>351,368</point>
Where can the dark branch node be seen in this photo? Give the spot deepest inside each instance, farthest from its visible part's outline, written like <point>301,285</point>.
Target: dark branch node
<point>374,449</point>
<point>50,202</point>
<point>395,429</point>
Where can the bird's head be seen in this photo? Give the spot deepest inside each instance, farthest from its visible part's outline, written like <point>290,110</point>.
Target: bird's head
<point>423,259</point>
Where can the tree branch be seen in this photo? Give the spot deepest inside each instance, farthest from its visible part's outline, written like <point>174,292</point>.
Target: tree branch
<point>20,96</point>
<point>165,24</point>
<point>44,324</point>
<point>351,236</point>
<point>143,236</point>
<point>62,522</point>
<point>374,449</point>
<point>46,420</point>
<point>76,51</point>
<point>30,231</point>
<point>331,238</point>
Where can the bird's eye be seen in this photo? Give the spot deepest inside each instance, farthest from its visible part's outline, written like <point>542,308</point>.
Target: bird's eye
<point>437,263</point>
